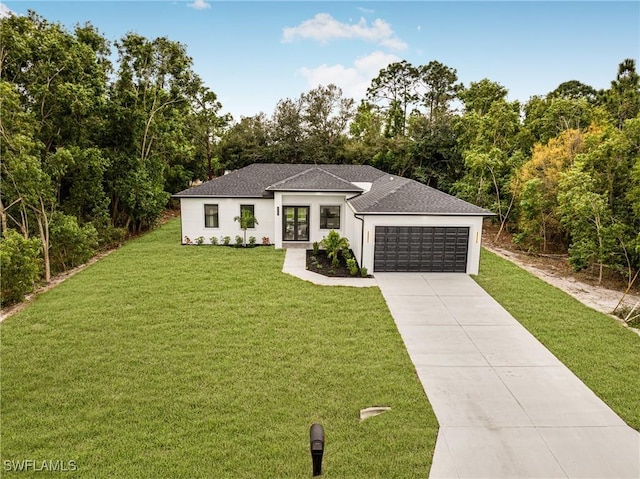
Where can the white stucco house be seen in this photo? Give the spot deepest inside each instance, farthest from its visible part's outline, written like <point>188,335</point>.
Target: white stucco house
<point>392,223</point>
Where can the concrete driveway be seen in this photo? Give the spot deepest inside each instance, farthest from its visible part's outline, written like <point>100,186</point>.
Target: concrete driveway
<point>507,407</point>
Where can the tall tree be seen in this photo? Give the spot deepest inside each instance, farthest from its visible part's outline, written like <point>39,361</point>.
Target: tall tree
<point>394,89</point>
<point>490,146</point>
<point>247,142</point>
<point>588,219</point>
<point>325,116</point>
<point>535,186</point>
<point>287,131</point>
<point>208,125</point>
<point>365,134</point>
<point>150,102</point>
<point>61,77</point>
<point>547,118</point>
<point>436,158</point>
<point>575,90</point>
<point>479,96</point>
<point>623,98</point>
<point>437,87</point>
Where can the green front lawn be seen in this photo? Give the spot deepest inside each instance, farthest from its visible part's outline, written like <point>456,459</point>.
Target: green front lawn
<point>176,361</point>
<point>596,347</point>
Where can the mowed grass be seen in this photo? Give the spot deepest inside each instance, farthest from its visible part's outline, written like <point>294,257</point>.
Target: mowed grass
<point>596,347</point>
<point>163,360</point>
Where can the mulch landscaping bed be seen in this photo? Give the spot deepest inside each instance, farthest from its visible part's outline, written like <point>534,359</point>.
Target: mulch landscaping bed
<point>341,271</point>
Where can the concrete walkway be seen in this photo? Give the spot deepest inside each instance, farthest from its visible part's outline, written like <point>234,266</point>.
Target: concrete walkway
<point>507,407</point>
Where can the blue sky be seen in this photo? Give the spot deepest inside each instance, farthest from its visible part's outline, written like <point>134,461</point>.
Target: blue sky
<point>253,54</point>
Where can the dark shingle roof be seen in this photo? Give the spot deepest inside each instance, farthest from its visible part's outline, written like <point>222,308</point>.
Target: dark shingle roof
<point>315,179</point>
<point>252,181</point>
<point>393,194</point>
<point>388,194</point>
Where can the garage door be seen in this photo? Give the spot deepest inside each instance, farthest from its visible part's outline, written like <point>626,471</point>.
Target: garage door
<point>421,248</point>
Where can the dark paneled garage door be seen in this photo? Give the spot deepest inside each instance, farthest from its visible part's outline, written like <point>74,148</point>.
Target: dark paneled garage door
<point>421,248</point>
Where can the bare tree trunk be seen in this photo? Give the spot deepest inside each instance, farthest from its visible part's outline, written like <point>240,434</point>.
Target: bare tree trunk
<point>504,221</point>
<point>3,217</point>
<point>43,227</point>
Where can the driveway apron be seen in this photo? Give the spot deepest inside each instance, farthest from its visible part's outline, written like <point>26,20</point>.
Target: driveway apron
<point>507,407</point>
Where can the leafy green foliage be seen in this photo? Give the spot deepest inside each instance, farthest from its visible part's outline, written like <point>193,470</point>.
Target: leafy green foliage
<point>71,244</point>
<point>246,220</point>
<point>353,266</point>
<point>395,88</point>
<point>20,266</point>
<point>334,244</point>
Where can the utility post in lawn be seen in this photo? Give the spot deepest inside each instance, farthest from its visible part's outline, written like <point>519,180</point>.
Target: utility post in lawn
<point>246,220</point>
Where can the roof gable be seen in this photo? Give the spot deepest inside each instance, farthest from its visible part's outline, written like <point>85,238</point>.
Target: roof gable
<point>314,179</point>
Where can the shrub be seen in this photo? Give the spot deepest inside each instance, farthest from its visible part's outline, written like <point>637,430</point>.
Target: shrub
<point>109,236</point>
<point>252,240</point>
<point>70,244</point>
<point>334,244</point>
<point>214,240</point>
<point>266,241</point>
<point>187,240</point>
<point>364,272</point>
<point>239,242</point>
<point>200,240</point>
<point>316,248</point>
<point>353,266</point>
<point>20,266</point>
<point>226,240</point>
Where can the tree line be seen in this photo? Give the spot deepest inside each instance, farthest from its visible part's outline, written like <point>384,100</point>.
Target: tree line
<point>91,151</point>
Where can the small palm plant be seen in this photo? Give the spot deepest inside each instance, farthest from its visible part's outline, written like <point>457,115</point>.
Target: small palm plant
<point>246,220</point>
<point>333,243</point>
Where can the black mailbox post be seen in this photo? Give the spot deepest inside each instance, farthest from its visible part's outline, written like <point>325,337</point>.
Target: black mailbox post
<point>316,440</point>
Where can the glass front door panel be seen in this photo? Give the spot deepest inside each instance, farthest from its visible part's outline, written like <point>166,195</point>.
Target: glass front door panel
<point>295,223</point>
<point>289,233</point>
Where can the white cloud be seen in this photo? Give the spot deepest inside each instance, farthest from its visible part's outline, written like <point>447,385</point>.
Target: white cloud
<point>199,5</point>
<point>366,10</point>
<point>323,27</point>
<point>353,80</point>
<point>5,11</point>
